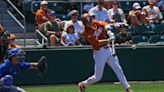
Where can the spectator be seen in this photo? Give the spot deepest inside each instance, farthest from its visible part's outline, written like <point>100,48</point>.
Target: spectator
<point>69,37</point>
<point>42,15</point>
<point>12,43</point>
<point>108,4</point>
<point>100,12</point>
<point>160,4</point>
<point>116,14</point>
<point>72,6</point>
<point>52,29</point>
<point>87,6</point>
<point>123,37</point>
<point>153,14</point>
<point>136,16</point>
<point>78,25</point>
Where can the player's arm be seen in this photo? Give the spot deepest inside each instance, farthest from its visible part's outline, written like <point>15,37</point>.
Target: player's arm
<point>91,39</point>
<point>27,65</point>
<point>41,65</point>
<point>101,42</point>
<point>34,65</point>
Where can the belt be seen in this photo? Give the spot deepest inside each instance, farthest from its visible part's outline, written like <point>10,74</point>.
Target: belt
<point>104,47</point>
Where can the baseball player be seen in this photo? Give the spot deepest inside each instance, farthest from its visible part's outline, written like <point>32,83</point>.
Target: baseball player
<point>9,69</point>
<point>95,32</point>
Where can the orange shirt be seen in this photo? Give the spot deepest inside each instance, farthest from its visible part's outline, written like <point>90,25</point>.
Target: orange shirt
<point>95,33</point>
<point>41,17</point>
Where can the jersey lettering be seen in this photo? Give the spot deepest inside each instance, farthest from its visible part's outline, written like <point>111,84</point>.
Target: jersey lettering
<point>98,32</point>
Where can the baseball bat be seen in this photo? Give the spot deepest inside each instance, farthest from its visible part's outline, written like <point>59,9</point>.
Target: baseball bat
<point>113,48</point>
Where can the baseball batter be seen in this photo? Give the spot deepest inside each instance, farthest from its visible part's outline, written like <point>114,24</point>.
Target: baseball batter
<point>96,34</point>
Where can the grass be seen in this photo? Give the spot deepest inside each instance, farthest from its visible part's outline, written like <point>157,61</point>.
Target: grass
<point>101,87</point>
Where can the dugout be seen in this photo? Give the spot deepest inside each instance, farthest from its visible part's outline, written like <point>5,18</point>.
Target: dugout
<point>73,64</point>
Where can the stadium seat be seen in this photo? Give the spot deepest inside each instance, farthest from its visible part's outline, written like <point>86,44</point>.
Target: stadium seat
<point>130,30</point>
<point>143,3</point>
<point>140,40</point>
<point>126,6</point>
<point>144,30</point>
<point>156,38</point>
<point>159,29</point>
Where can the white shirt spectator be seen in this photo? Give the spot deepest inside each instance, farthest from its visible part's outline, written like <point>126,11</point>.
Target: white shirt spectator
<point>152,12</point>
<point>120,12</point>
<point>88,6</point>
<point>70,38</point>
<point>100,15</point>
<point>78,25</point>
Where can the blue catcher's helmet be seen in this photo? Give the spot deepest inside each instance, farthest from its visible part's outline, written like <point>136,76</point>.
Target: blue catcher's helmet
<point>7,80</point>
<point>19,53</point>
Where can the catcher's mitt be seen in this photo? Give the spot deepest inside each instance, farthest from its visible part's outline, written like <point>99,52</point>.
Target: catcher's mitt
<point>42,65</point>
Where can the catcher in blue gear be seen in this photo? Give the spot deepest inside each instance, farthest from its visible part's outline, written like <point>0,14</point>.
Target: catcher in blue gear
<point>15,62</point>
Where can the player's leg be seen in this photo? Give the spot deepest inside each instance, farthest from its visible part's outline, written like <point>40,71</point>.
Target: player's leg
<point>16,89</point>
<point>100,60</point>
<point>113,62</point>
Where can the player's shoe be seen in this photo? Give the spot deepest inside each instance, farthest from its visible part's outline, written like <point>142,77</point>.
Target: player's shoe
<point>129,90</point>
<point>81,87</point>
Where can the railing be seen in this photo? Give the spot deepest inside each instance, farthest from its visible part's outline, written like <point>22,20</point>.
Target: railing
<point>44,40</point>
<point>23,26</point>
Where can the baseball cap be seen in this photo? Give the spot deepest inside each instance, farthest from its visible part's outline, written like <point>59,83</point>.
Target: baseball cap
<point>136,5</point>
<point>73,12</point>
<point>69,25</point>
<point>44,3</point>
<point>52,13</point>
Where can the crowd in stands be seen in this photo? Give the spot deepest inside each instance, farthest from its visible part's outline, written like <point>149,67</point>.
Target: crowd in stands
<point>124,25</point>
<point>52,28</point>
<point>10,39</point>
<point>148,16</point>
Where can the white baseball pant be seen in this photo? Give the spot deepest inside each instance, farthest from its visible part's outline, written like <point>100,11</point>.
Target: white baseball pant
<point>101,57</point>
